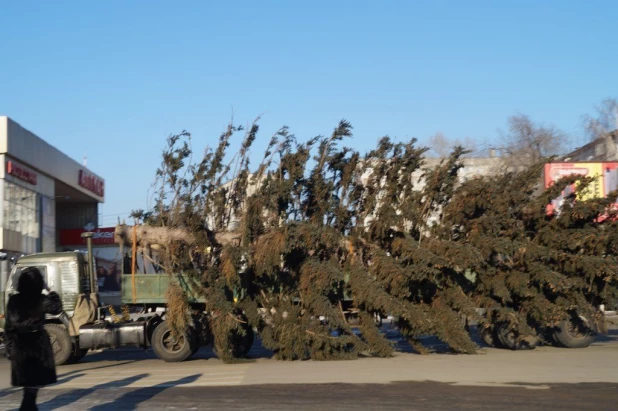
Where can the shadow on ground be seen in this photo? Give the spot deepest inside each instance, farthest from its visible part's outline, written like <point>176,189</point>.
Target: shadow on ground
<point>84,366</point>
<point>75,395</point>
<point>98,396</point>
<point>67,378</point>
<point>131,399</point>
<point>611,336</point>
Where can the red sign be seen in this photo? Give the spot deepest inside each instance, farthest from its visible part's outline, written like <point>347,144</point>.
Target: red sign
<point>101,236</point>
<point>91,183</point>
<point>20,172</point>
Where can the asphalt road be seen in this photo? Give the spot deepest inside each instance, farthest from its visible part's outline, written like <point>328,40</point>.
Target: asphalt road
<point>542,379</point>
<point>395,396</point>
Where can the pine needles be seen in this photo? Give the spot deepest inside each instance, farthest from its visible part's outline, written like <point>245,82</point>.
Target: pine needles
<point>281,247</point>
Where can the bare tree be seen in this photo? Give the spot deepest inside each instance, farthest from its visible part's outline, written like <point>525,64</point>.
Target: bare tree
<point>469,144</point>
<point>604,121</point>
<point>441,146</point>
<point>527,142</point>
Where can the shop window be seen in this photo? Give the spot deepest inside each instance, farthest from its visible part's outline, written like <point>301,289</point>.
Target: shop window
<point>21,210</point>
<point>48,232</point>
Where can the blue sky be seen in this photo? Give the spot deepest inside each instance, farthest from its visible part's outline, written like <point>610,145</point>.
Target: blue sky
<point>111,80</point>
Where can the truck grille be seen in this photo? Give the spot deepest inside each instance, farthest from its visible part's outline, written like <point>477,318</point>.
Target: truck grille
<point>69,274</point>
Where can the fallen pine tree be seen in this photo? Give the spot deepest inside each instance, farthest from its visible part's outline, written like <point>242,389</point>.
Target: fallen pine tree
<point>317,231</point>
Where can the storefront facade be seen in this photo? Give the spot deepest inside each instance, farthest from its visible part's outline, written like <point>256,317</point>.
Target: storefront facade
<point>42,191</point>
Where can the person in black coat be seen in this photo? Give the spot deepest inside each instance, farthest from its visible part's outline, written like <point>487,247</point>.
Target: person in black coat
<point>28,344</point>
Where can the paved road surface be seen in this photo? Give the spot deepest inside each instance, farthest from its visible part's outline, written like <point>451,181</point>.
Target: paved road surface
<point>396,396</point>
<point>494,379</point>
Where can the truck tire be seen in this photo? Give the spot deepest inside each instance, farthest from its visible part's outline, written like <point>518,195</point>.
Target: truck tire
<point>77,354</point>
<point>506,336</point>
<point>61,343</point>
<point>576,332</point>
<point>509,339</point>
<point>488,336</point>
<point>240,344</point>
<point>196,342</point>
<point>169,349</point>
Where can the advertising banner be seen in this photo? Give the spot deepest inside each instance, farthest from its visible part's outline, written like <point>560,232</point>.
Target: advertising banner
<point>605,172</point>
<point>102,236</point>
<point>106,253</point>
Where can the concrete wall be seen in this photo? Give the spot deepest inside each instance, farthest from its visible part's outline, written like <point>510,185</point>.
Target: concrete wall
<point>473,167</point>
<point>4,129</point>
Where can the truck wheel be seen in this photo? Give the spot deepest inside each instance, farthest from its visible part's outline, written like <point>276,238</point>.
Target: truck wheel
<point>168,348</point>
<point>576,332</point>
<point>61,343</point>
<point>240,344</point>
<point>488,336</point>
<point>196,342</point>
<point>78,354</point>
<point>508,337</point>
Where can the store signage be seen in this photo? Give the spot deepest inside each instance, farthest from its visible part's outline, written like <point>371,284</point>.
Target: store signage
<point>20,172</point>
<point>73,237</point>
<point>91,183</point>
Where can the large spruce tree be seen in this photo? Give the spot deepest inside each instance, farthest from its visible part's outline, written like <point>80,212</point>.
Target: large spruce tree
<point>318,230</point>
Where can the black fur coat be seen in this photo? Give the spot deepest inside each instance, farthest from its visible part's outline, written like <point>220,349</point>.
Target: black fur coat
<point>28,344</point>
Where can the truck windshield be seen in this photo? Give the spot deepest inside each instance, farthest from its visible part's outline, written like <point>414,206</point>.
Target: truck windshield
<point>16,272</point>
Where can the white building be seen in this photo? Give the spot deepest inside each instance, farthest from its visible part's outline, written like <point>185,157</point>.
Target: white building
<point>42,191</point>
<point>472,167</point>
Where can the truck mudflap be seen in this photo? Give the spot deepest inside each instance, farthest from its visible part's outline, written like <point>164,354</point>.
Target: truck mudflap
<point>110,335</point>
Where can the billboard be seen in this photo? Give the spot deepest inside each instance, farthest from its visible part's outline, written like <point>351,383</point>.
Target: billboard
<point>605,172</point>
<point>106,254</point>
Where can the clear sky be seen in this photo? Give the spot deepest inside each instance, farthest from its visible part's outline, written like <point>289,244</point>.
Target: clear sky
<point>110,80</point>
